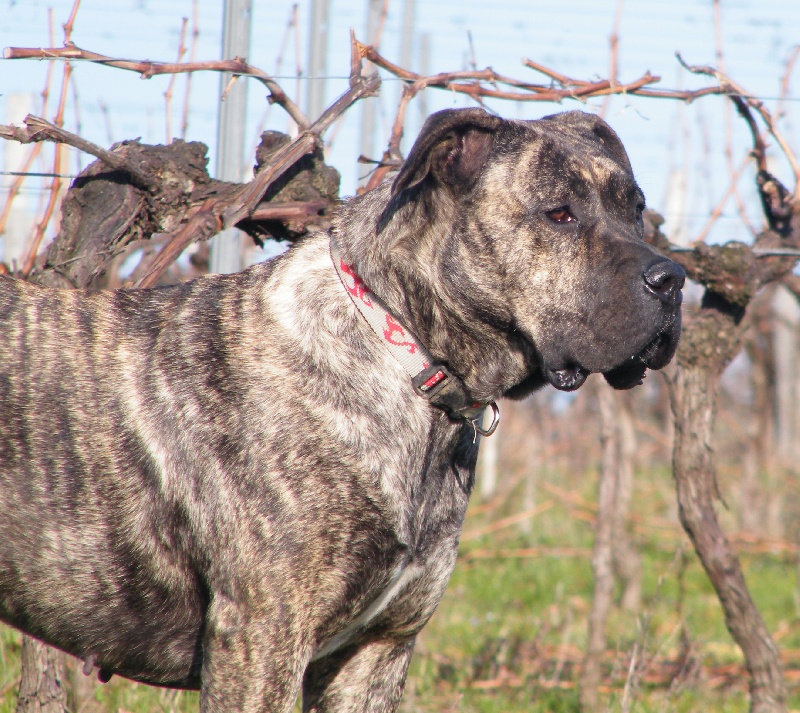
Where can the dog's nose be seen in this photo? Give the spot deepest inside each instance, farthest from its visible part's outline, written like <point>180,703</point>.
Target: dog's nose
<point>665,279</point>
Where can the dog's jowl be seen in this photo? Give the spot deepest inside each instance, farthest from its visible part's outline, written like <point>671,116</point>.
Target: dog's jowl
<point>254,483</point>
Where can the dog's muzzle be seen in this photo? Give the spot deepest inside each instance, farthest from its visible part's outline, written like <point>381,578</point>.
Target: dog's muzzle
<point>655,355</point>
<point>664,281</point>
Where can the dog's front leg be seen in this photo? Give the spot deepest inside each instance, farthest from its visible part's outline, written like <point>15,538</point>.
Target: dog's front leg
<point>251,663</point>
<point>368,678</point>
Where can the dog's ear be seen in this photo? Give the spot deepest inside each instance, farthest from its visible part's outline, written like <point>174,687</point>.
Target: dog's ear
<point>452,147</point>
<point>596,128</point>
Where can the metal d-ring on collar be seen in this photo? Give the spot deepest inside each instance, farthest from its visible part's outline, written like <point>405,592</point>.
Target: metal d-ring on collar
<point>430,380</point>
<point>493,425</point>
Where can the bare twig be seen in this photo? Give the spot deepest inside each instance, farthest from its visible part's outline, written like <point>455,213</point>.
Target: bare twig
<point>171,85</point>
<point>487,83</point>
<point>55,186</point>
<point>76,108</point>
<point>204,222</point>
<point>741,98</point>
<point>147,69</point>
<point>303,144</point>
<point>38,129</point>
<point>293,211</point>
<point>298,64</point>
<point>759,151</point>
<point>504,522</point>
<point>614,54</point>
<point>15,187</point>
<point>720,54</point>
<point>481,83</point>
<point>222,212</point>
<point>718,35</point>
<point>192,55</point>
<point>376,41</point>
<point>287,34</point>
<point>473,60</point>
<point>225,213</point>
<point>790,64</point>
<point>717,210</point>
<point>70,23</point>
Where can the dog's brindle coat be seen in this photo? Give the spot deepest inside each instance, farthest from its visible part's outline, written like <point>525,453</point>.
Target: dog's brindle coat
<point>230,484</point>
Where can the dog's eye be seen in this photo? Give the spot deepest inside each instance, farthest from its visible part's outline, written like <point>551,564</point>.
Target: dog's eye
<point>561,215</point>
<point>640,212</point>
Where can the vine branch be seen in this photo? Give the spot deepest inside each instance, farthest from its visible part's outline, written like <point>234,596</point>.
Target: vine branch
<point>147,69</point>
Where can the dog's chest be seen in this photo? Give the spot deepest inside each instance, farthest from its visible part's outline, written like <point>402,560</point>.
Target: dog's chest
<point>403,575</point>
<point>413,585</point>
<point>403,605</point>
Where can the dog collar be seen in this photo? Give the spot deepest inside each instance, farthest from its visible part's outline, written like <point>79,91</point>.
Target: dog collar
<point>432,381</point>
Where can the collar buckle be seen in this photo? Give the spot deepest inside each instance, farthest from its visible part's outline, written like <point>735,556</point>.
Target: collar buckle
<point>447,392</point>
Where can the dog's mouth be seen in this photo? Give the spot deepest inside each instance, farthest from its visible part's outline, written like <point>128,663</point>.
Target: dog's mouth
<point>568,378</point>
<point>655,355</point>
<point>627,375</point>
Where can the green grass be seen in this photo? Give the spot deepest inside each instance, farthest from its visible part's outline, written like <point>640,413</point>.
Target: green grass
<point>510,632</point>
<point>528,616</point>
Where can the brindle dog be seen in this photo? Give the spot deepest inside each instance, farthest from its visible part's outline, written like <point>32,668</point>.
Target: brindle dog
<point>233,485</point>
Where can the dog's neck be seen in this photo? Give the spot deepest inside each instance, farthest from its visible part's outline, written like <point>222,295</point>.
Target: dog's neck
<point>409,275</point>
<point>430,380</point>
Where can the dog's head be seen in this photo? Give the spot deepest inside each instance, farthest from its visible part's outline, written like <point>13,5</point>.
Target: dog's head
<point>538,235</point>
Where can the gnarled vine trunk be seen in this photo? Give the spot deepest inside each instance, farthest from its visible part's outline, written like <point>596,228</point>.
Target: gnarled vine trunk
<point>41,688</point>
<point>693,396</point>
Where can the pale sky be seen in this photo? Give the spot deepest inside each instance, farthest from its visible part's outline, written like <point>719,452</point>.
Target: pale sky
<point>662,137</point>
